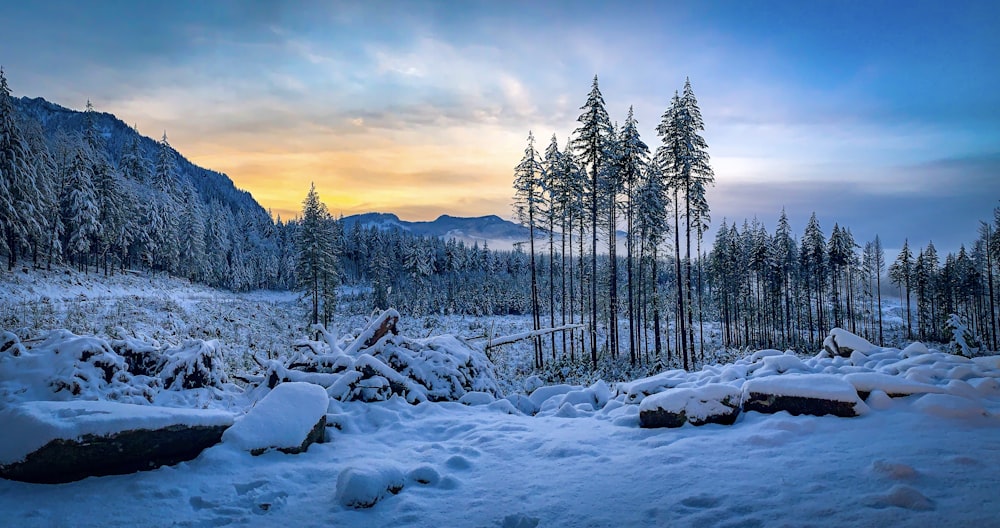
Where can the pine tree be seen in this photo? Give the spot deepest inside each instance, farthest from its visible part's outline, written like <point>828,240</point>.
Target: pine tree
<point>901,273</point>
<point>550,183</point>
<point>165,251</point>
<point>633,163</point>
<point>527,201</point>
<point>783,260</point>
<point>813,263</point>
<point>192,234</point>
<point>316,266</point>
<point>590,143</point>
<point>79,203</point>
<point>21,210</point>
<point>879,268</point>
<point>652,201</point>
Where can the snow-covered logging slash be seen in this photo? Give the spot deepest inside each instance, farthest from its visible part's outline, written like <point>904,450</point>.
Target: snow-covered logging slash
<point>412,427</point>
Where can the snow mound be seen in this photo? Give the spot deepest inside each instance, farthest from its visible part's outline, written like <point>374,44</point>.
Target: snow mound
<point>284,419</point>
<point>949,406</point>
<point>363,487</point>
<point>39,422</point>
<point>901,496</point>
<point>896,386</point>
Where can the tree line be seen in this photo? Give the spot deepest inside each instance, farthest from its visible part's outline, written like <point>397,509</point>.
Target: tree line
<point>606,176</point>
<point>765,290</point>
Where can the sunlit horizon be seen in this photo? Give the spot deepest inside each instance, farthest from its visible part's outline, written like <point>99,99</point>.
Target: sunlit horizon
<point>868,115</point>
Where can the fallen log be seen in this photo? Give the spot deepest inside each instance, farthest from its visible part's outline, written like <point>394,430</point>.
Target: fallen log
<point>506,340</point>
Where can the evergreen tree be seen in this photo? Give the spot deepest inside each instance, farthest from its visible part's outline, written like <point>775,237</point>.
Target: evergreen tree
<point>21,210</point>
<point>633,163</point>
<point>316,266</point>
<point>900,273</point>
<point>527,202</point>
<point>590,143</point>
<point>192,234</point>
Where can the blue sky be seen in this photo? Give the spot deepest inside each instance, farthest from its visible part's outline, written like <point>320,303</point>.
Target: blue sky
<point>882,116</point>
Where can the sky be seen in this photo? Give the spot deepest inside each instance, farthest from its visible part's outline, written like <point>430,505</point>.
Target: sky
<point>882,116</point>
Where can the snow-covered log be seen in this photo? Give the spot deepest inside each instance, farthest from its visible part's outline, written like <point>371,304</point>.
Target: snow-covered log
<point>506,340</point>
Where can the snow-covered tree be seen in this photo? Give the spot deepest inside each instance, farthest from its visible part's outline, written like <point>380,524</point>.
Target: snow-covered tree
<point>21,207</point>
<point>590,143</point>
<point>317,268</point>
<point>527,203</point>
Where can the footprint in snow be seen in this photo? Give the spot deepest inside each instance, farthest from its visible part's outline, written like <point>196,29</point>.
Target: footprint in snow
<point>701,501</point>
<point>894,471</point>
<point>458,462</point>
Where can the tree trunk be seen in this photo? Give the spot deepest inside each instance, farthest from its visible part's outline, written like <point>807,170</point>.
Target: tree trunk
<point>679,327</point>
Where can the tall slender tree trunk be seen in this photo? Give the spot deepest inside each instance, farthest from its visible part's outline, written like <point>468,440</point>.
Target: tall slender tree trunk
<point>701,313</point>
<point>989,275</point>
<point>679,323</point>
<point>878,291</point>
<point>537,340</point>
<point>562,274</point>
<point>593,265</point>
<point>631,297</point>
<point>613,276</point>
<point>656,312</point>
<point>687,265</point>
<point>552,281</point>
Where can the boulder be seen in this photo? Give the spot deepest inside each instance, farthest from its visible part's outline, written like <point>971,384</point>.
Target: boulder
<point>840,342</point>
<point>713,403</point>
<point>815,394</point>
<point>66,441</point>
<point>289,419</point>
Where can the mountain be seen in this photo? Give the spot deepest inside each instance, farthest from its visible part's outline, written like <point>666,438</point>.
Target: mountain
<point>492,230</point>
<point>117,134</point>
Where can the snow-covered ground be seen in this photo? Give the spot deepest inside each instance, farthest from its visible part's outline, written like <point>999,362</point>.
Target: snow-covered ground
<point>927,459</point>
<point>895,467</point>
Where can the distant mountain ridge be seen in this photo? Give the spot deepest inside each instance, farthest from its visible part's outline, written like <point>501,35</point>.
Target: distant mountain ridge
<point>491,229</point>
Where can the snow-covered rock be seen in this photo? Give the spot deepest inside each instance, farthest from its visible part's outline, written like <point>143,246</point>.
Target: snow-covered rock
<point>476,398</point>
<point>840,342</point>
<point>714,403</point>
<point>364,487</point>
<point>57,441</point>
<point>815,394</point>
<point>290,418</point>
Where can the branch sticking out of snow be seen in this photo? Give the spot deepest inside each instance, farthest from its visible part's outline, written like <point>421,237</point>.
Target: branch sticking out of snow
<point>331,340</point>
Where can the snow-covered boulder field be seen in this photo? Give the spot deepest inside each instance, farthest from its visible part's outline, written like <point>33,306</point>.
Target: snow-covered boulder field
<point>837,381</point>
